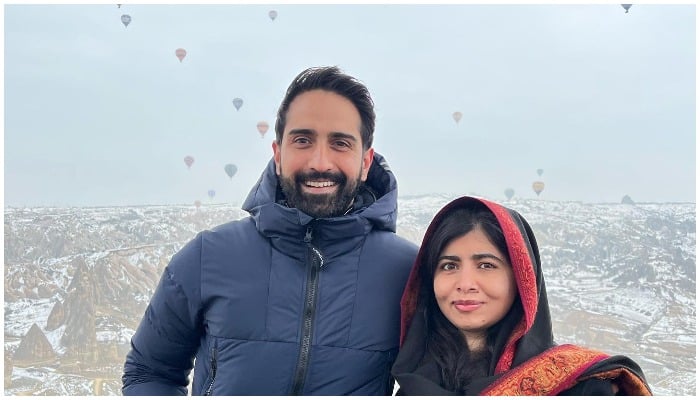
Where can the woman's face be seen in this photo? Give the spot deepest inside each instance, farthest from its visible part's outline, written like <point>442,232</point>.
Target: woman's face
<point>474,284</point>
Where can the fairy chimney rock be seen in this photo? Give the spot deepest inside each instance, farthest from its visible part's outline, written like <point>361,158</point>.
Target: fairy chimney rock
<point>56,317</point>
<point>79,312</point>
<point>34,348</point>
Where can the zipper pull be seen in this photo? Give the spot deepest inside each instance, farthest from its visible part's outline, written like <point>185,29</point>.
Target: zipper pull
<point>316,253</point>
<point>307,238</point>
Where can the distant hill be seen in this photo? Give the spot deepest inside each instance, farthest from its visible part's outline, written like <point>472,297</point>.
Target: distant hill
<point>620,278</point>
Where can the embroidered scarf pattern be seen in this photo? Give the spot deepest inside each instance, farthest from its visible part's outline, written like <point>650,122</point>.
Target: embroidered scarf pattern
<point>548,374</point>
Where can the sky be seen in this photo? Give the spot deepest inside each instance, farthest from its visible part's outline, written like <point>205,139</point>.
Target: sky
<point>97,113</point>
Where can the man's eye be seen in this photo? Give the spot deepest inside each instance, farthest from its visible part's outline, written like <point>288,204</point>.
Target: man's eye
<point>301,139</point>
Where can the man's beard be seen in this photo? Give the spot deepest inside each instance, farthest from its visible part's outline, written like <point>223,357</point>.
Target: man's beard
<point>320,205</point>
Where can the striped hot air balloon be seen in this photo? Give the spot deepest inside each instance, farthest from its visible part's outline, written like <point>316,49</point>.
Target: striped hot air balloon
<point>538,187</point>
<point>262,128</point>
<point>189,160</point>
<point>180,53</point>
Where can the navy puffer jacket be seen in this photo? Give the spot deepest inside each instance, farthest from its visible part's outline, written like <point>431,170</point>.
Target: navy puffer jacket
<point>280,303</point>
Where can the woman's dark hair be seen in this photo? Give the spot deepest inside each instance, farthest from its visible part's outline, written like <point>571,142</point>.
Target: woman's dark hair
<point>331,79</point>
<point>458,365</point>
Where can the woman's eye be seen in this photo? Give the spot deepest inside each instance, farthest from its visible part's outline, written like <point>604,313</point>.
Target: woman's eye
<point>448,267</point>
<point>486,266</point>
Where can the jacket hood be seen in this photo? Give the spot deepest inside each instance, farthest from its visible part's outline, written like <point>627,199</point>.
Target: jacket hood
<point>528,331</point>
<point>375,207</point>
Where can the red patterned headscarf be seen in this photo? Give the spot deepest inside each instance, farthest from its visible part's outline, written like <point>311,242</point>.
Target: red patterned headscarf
<point>525,261</point>
<point>524,344</point>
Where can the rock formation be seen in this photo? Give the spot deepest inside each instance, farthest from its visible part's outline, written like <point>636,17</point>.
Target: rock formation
<point>79,337</point>
<point>56,317</point>
<point>34,349</point>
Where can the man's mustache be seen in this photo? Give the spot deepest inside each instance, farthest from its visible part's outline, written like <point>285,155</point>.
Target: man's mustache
<point>337,178</point>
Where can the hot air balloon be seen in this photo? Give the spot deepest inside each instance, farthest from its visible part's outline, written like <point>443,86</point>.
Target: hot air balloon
<point>180,53</point>
<point>272,14</point>
<point>211,193</point>
<point>540,171</point>
<point>119,6</point>
<point>538,187</point>
<point>626,7</point>
<point>197,204</point>
<point>237,102</point>
<point>509,193</point>
<point>189,160</point>
<point>231,170</point>
<point>262,128</point>
<point>457,116</point>
<point>126,19</point>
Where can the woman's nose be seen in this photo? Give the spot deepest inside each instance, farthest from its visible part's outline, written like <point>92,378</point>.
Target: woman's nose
<point>467,282</point>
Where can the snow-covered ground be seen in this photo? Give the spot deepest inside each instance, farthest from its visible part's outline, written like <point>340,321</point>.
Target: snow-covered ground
<point>620,278</point>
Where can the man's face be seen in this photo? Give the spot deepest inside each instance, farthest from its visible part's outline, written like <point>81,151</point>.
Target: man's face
<point>320,162</point>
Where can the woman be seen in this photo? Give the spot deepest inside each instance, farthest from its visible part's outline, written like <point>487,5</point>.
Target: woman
<point>475,317</point>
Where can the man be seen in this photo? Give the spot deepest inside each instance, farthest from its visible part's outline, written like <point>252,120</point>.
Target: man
<point>301,297</point>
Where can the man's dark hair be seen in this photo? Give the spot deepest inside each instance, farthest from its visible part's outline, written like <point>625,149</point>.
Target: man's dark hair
<point>331,79</point>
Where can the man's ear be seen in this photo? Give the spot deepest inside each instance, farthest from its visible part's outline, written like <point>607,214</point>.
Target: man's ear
<point>367,162</point>
<point>277,155</point>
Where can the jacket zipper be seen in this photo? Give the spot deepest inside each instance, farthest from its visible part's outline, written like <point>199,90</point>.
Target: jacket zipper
<point>316,259</point>
<point>213,372</point>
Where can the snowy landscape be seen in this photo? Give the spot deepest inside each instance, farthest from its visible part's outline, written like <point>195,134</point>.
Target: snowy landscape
<point>620,278</point>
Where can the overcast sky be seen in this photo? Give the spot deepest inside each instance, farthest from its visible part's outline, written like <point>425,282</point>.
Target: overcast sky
<point>602,101</point>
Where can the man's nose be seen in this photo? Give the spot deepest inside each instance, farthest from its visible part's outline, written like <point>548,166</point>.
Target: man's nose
<point>321,158</point>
